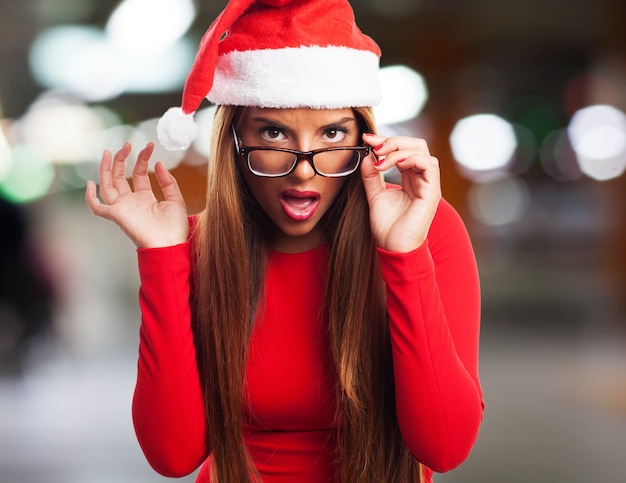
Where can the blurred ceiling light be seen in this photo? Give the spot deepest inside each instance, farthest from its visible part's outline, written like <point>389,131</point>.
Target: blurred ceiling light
<point>30,177</point>
<point>598,136</point>
<point>404,94</point>
<point>500,202</point>
<point>483,142</point>
<point>63,131</point>
<point>78,59</point>
<point>140,27</point>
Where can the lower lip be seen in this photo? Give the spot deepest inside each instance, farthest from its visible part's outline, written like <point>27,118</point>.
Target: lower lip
<point>299,208</point>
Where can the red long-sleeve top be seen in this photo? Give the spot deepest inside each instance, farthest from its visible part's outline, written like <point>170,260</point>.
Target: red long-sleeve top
<point>433,302</point>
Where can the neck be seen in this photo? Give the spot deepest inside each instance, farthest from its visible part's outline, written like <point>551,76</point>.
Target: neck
<point>297,244</point>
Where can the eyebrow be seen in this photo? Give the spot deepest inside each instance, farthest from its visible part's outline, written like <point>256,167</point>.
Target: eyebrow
<point>339,122</point>
<point>280,125</point>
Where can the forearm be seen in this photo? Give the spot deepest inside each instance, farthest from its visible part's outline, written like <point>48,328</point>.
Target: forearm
<point>433,300</point>
<point>168,411</point>
<point>438,398</point>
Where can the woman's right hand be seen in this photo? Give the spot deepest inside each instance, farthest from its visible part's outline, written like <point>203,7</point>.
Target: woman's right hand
<point>148,222</point>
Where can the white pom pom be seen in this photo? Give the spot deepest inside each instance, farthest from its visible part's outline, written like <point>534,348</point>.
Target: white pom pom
<point>176,130</point>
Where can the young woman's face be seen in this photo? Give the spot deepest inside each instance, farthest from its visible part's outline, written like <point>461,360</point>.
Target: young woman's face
<point>296,202</point>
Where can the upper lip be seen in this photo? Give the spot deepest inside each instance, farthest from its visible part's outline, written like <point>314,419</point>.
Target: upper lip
<point>300,194</point>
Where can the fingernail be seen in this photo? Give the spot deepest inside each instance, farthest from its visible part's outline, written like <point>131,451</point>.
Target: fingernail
<point>379,146</point>
<point>368,134</point>
<point>379,162</point>
<point>401,160</point>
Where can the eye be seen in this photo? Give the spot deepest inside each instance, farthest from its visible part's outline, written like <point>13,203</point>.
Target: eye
<point>335,135</point>
<point>272,134</point>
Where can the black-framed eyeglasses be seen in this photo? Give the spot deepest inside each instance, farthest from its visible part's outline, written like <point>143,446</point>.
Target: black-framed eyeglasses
<point>278,162</point>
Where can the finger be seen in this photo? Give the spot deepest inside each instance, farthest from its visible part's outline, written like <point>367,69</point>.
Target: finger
<point>420,175</point>
<point>373,139</point>
<point>372,178</point>
<point>91,197</point>
<point>118,170</point>
<point>419,163</point>
<point>396,153</point>
<point>141,180</point>
<point>398,143</point>
<point>169,185</point>
<point>107,191</point>
<point>397,148</point>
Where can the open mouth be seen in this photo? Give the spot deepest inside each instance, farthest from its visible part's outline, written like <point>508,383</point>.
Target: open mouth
<point>299,205</point>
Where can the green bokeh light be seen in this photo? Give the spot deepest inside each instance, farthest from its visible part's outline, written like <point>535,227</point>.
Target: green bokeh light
<point>30,176</point>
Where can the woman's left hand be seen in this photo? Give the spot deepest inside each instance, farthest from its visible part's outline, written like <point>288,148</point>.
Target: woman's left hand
<point>400,218</point>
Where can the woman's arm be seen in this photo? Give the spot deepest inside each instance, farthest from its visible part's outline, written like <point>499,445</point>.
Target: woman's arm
<point>433,301</point>
<point>434,307</point>
<point>168,410</point>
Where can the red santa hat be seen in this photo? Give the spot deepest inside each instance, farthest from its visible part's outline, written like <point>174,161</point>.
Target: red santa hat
<point>277,54</point>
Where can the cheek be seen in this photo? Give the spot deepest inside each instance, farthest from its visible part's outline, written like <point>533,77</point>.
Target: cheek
<point>261,188</point>
<point>332,189</point>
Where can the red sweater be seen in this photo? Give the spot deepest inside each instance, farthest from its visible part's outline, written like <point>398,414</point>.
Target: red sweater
<point>433,302</point>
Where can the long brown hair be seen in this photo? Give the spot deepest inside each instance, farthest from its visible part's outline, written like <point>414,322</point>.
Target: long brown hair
<point>231,242</point>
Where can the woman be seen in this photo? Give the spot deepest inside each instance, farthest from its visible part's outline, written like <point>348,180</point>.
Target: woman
<point>312,324</point>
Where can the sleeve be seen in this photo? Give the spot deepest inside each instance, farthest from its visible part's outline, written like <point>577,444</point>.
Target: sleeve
<point>168,409</point>
<point>433,301</point>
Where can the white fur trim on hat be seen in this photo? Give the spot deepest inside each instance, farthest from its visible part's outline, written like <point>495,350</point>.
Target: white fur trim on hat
<point>315,77</point>
<point>176,130</point>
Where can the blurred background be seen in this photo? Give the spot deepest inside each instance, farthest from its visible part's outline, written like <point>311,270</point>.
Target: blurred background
<point>522,101</point>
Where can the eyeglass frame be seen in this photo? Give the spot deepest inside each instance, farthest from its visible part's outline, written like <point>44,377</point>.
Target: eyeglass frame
<point>244,152</point>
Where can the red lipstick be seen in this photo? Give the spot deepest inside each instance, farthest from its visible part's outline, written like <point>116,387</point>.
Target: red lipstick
<point>299,205</point>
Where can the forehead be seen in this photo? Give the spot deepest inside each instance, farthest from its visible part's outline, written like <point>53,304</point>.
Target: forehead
<point>299,116</point>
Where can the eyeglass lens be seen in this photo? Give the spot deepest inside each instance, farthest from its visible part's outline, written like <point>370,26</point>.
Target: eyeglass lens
<point>335,162</point>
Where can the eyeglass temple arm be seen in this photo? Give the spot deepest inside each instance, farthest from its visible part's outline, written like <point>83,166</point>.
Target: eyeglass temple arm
<point>236,138</point>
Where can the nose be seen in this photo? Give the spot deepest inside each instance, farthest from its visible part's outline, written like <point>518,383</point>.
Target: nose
<point>304,168</point>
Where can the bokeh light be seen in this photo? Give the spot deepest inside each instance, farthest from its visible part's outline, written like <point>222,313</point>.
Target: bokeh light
<point>499,202</point>
<point>30,176</point>
<point>6,160</point>
<point>143,49</point>
<point>140,27</point>
<point>145,132</point>
<point>557,157</point>
<point>113,139</point>
<point>404,94</point>
<point>161,71</point>
<point>78,59</point>
<point>63,129</point>
<point>483,142</point>
<point>204,119</point>
<point>598,136</point>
